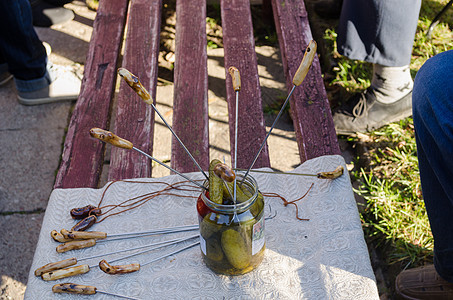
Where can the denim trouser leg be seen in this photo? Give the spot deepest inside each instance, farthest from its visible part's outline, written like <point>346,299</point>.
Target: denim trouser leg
<point>378,31</point>
<point>433,120</point>
<point>20,46</point>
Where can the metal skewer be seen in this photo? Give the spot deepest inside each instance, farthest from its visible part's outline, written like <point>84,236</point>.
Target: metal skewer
<point>72,236</point>
<point>171,253</point>
<point>322,175</point>
<point>73,288</point>
<point>153,245</point>
<point>137,86</point>
<point>236,80</point>
<point>54,271</point>
<point>297,80</point>
<point>109,137</point>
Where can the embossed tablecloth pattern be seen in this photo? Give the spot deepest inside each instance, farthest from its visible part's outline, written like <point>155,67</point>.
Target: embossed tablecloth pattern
<point>323,258</point>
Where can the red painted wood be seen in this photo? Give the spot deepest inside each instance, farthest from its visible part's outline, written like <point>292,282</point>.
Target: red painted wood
<point>239,48</point>
<point>82,156</point>
<point>190,104</point>
<point>310,107</point>
<point>134,119</point>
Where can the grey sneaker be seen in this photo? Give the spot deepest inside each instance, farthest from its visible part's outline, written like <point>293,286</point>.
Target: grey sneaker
<point>65,86</point>
<point>363,113</point>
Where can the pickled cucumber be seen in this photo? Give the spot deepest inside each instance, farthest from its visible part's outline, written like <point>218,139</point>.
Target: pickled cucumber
<point>242,194</point>
<point>215,184</point>
<point>213,250</point>
<point>209,225</point>
<point>235,249</point>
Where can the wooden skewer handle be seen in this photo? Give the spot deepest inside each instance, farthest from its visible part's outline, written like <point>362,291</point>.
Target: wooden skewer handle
<point>333,174</point>
<point>55,266</point>
<point>109,137</point>
<point>136,85</point>
<point>119,269</point>
<point>225,172</point>
<point>74,245</point>
<point>236,78</point>
<point>59,237</point>
<point>63,273</point>
<point>72,288</point>
<point>83,235</point>
<point>307,60</point>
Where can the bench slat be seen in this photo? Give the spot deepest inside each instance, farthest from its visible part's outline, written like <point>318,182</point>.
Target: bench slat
<point>310,109</point>
<point>190,104</point>
<point>134,119</point>
<point>239,46</point>
<point>82,156</point>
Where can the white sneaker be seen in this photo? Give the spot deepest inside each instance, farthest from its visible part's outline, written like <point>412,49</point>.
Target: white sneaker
<point>65,86</point>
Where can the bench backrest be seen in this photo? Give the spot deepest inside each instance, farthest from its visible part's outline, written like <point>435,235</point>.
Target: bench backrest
<point>83,156</point>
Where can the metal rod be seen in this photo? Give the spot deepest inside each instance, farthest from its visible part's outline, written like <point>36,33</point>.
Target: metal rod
<point>276,172</point>
<point>157,231</point>
<point>163,243</point>
<point>171,253</point>
<point>180,142</point>
<point>236,144</point>
<point>144,234</point>
<point>270,130</point>
<point>116,295</point>
<point>156,246</point>
<point>170,168</point>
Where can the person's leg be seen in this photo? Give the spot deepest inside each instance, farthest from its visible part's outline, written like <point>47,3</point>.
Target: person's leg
<point>433,121</point>
<point>37,81</point>
<point>382,33</point>
<point>20,47</point>
<point>376,31</point>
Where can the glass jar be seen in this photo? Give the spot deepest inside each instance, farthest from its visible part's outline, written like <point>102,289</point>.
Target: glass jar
<point>232,236</point>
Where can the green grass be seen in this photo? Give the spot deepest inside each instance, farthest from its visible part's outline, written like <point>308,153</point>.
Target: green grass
<point>394,215</point>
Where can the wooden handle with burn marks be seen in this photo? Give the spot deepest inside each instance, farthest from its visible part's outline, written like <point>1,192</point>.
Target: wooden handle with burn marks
<point>333,174</point>
<point>225,172</point>
<point>120,269</point>
<point>83,235</point>
<point>72,288</point>
<point>109,137</point>
<point>55,266</point>
<point>59,237</point>
<point>63,273</point>
<point>136,85</point>
<point>235,77</point>
<point>74,245</point>
<point>307,60</point>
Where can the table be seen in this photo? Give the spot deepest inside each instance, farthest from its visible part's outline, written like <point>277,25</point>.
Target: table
<point>323,258</point>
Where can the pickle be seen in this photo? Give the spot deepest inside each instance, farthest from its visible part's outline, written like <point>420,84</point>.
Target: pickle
<point>235,249</point>
<point>209,226</point>
<point>213,250</point>
<point>215,184</point>
<point>242,194</point>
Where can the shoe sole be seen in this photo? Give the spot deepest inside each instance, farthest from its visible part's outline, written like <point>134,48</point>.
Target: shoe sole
<point>396,118</point>
<point>4,81</point>
<point>38,101</point>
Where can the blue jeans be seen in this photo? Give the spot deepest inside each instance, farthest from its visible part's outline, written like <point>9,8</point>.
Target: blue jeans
<point>433,119</point>
<point>20,48</point>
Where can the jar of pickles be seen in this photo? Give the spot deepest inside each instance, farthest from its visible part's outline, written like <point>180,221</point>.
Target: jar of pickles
<point>232,234</point>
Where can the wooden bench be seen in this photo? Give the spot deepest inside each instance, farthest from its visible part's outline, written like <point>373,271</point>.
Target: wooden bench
<point>83,157</point>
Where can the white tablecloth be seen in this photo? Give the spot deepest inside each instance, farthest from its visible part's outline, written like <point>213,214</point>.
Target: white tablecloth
<point>323,258</point>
